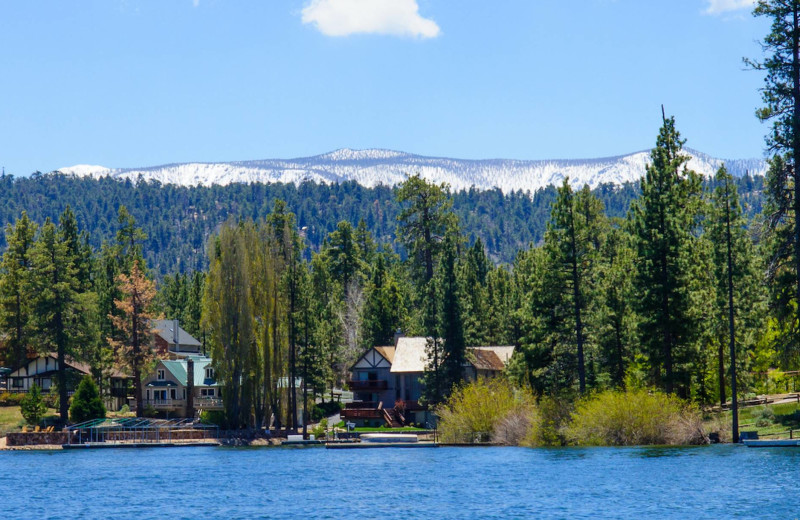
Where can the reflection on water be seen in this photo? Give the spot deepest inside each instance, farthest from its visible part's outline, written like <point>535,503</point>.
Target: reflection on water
<point>446,483</point>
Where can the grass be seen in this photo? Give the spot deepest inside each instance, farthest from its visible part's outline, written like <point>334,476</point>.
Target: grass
<point>11,419</point>
<point>787,416</point>
<point>383,429</point>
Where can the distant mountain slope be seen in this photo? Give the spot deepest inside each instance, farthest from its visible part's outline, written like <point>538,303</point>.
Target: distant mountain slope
<point>374,167</point>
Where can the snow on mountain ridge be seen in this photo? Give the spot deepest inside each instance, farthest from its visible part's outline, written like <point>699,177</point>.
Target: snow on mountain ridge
<point>373,167</point>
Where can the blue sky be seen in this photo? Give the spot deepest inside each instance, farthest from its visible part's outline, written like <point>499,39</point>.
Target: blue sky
<point>127,83</point>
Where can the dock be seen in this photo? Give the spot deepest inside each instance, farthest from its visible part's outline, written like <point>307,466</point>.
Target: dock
<point>101,445</point>
<point>772,443</point>
<point>368,445</point>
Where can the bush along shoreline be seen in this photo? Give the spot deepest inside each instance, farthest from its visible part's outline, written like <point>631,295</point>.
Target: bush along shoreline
<point>495,412</point>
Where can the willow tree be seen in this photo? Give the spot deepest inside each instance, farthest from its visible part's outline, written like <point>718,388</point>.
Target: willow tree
<point>228,318</point>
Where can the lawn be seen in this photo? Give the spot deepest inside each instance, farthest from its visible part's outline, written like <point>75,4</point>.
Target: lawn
<point>11,419</point>
<point>784,417</point>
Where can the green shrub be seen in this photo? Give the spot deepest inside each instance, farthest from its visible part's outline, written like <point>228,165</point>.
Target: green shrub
<point>635,417</point>
<point>487,410</point>
<point>7,399</point>
<point>326,409</point>
<point>86,403</point>
<point>215,417</point>
<point>32,406</point>
<point>319,430</point>
<point>125,409</point>
<point>764,416</point>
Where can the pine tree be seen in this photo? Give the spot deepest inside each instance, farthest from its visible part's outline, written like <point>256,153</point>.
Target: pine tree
<point>739,304</point>
<point>32,407</point>
<point>86,403</point>
<point>57,311</point>
<point>781,95</point>
<point>14,289</point>
<point>572,242</point>
<point>134,325</point>
<point>662,220</point>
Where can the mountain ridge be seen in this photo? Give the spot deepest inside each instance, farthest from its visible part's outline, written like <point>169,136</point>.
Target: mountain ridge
<point>374,166</point>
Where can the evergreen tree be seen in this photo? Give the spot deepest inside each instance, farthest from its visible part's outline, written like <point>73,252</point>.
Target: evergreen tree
<point>572,242</point>
<point>134,325</point>
<point>14,289</point>
<point>58,314</point>
<point>452,325</point>
<point>739,305</point>
<point>663,219</point>
<point>86,403</point>
<point>781,95</point>
<point>32,407</point>
<point>383,307</point>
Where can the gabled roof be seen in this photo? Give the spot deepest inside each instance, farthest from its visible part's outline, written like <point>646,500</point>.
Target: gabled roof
<point>410,355</point>
<point>178,368</point>
<point>386,352</point>
<point>70,362</point>
<point>166,330</point>
<point>484,359</point>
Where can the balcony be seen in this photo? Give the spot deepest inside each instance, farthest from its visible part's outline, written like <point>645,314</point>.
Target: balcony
<point>376,385</point>
<point>165,404</point>
<point>362,413</point>
<point>208,403</point>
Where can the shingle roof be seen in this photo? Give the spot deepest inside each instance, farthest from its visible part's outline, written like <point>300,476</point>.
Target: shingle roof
<point>484,359</point>
<point>387,352</point>
<point>410,355</point>
<point>165,329</point>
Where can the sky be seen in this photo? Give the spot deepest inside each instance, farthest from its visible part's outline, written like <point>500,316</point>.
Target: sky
<point>134,83</point>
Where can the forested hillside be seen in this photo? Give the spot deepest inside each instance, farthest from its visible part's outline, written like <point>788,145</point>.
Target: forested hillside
<point>178,220</point>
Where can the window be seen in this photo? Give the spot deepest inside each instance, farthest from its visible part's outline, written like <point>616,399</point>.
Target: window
<point>209,373</point>
<point>172,394</point>
<point>161,374</point>
<point>207,392</point>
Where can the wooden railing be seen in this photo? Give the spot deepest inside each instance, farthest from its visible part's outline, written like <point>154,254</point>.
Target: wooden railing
<point>362,413</point>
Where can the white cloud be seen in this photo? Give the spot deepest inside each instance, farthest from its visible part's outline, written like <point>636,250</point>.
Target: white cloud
<point>724,6</point>
<point>345,17</point>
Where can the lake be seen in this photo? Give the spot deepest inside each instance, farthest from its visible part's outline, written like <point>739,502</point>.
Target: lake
<point>447,483</point>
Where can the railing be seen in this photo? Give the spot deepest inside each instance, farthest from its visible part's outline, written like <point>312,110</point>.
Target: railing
<point>208,402</point>
<point>164,403</point>
<point>368,386</point>
<point>360,405</point>
<point>373,413</point>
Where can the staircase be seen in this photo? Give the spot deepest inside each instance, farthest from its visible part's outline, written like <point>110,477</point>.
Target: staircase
<point>393,418</point>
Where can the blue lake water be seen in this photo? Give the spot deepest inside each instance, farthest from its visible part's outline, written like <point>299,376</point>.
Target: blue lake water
<point>448,483</point>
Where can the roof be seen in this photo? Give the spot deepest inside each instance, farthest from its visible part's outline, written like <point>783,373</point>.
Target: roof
<point>503,353</point>
<point>410,355</point>
<point>387,352</point>
<point>178,368</point>
<point>165,329</point>
<point>85,368</point>
<point>484,359</point>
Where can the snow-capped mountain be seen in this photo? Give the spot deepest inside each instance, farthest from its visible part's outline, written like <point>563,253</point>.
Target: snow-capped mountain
<point>374,167</point>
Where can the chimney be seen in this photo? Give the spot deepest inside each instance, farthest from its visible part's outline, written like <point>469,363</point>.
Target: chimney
<point>190,388</point>
<point>176,335</point>
<point>397,335</point>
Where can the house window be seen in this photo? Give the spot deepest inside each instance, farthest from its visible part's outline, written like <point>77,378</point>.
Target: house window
<point>17,382</point>
<point>172,394</point>
<point>209,373</point>
<point>160,374</point>
<point>207,392</point>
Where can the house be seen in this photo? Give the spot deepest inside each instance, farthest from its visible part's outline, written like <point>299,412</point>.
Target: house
<point>42,371</point>
<point>183,387</point>
<point>387,381</point>
<point>171,341</point>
